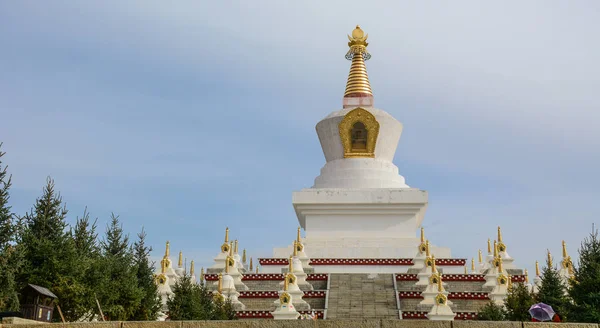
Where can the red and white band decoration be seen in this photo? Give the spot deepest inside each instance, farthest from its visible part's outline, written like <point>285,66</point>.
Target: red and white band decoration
<point>268,315</point>
<point>423,315</point>
<point>269,276</point>
<point>274,294</point>
<point>456,277</point>
<point>325,261</point>
<point>451,295</point>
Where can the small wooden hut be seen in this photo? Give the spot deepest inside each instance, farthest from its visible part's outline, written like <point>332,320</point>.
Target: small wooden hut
<point>38,303</point>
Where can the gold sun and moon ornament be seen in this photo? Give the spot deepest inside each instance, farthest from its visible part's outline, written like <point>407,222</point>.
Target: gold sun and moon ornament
<point>358,129</point>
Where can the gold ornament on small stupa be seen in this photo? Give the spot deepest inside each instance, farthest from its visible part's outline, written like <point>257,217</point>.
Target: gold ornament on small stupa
<point>358,80</point>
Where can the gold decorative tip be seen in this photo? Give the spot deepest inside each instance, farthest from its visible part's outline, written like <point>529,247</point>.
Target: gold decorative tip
<point>564,250</point>
<point>427,253</point>
<point>433,267</point>
<point>202,274</point>
<point>526,276</point>
<point>286,283</point>
<point>295,252</point>
<point>192,268</point>
<point>422,234</point>
<point>227,263</point>
<point>291,266</point>
<point>227,234</point>
<point>499,235</point>
<point>231,248</point>
<point>180,262</point>
<point>440,284</point>
<point>466,271</point>
<point>358,80</point>
<point>537,268</point>
<point>220,285</point>
<point>495,249</point>
<point>479,257</point>
<point>489,247</point>
<point>500,269</point>
<point>244,256</point>
<point>473,264</point>
<point>167,250</point>
<point>257,269</point>
<point>235,251</point>
<point>549,259</point>
<point>251,266</point>
<point>510,285</point>
<point>298,236</point>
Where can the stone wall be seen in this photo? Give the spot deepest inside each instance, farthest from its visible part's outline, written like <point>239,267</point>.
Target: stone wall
<point>309,324</point>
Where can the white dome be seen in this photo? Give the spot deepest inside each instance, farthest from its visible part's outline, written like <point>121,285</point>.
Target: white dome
<point>228,282</point>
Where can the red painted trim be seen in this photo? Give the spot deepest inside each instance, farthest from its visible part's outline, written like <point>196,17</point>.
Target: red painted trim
<point>269,276</point>
<point>269,315</point>
<point>423,315</point>
<point>406,277</point>
<point>274,294</point>
<point>332,261</point>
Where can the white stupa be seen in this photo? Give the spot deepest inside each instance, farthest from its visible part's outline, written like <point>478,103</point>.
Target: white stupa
<point>421,253</point>
<point>537,281</point>
<point>300,252</point>
<point>441,309</point>
<point>566,267</point>
<point>286,309</point>
<point>494,270</point>
<point>225,250</point>
<point>433,288</point>
<point>290,285</point>
<point>507,261</point>
<point>229,291</point>
<point>500,290</point>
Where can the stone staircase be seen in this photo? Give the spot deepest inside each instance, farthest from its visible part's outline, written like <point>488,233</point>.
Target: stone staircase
<point>364,296</point>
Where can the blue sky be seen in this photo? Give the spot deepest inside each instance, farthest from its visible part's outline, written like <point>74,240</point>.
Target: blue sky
<point>191,117</point>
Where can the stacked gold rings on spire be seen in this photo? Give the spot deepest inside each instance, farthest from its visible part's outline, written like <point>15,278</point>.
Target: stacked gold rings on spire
<point>358,80</point>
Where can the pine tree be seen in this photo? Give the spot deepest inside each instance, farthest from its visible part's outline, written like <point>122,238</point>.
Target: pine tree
<point>585,288</point>
<point>552,291</point>
<point>150,303</point>
<point>118,293</point>
<point>187,301</point>
<point>49,253</point>
<point>518,302</point>
<point>491,312</point>
<point>9,259</point>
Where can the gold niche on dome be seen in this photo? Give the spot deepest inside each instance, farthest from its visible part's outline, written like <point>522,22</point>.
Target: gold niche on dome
<point>358,131</point>
<point>285,298</point>
<point>161,279</point>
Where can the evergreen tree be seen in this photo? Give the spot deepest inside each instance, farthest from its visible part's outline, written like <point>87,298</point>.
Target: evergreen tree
<point>585,288</point>
<point>49,253</point>
<point>188,301</point>
<point>491,312</point>
<point>150,303</point>
<point>118,293</point>
<point>518,302</point>
<point>552,290</point>
<point>9,259</point>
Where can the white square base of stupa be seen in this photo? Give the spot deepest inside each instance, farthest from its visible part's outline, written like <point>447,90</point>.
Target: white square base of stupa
<point>360,224</point>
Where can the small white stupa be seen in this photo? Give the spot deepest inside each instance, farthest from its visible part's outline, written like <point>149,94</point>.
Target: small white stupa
<point>473,269</point>
<point>431,292</point>
<point>236,256</point>
<point>492,273</point>
<point>441,309</point>
<point>480,263</point>
<point>298,270</point>
<point>232,270</point>
<point>228,290</point>
<point>244,261</point>
<point>498,294</point>
<point>426,271</point>
<point>537,281</point>
<point>192,272</point>
<point>180,271</point>
<point>290,285</point>
<point>225,250</point>
<point>419,259</point>
<point>300,252</point>
<point>566,267</point>
<point>285,309</point>
<point>506,259</point>
<point>489,258</point>
<point>528,285</point>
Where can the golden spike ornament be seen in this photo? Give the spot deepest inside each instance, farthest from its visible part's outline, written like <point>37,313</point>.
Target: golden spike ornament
<point>285,284</point>
<point>526,276</point>
<point>489,247</point>
<point>202,274</point>
<point>180,262</point>
<point>231,248</point>
<point>440,284</point>
<point>291,266</point>
<point>495,249</point>
<point>564,250</point>
<point>220,285</point>
<point>298,235</point>
<point>244,256</point>
<point>433,267</point>
<point>537,268</point>
<point>479,257</point>
<point>251,266</point>
<point>227,264</point>
<point>192,268</point>
<point>549,259</point>
<point>295,252</point>
<point>235,251</point>
<point>163,266</point>
<point>427,253</point>
<point>466,271</point>
<point>227,234</point>
<point>472,265</point>
<point>501,246</point>
<point>257,269</point>
<point>422,235</point>
<point>499,235</point>
<point>358,80</point>
<point>500,269</point>
<point>167,250</point>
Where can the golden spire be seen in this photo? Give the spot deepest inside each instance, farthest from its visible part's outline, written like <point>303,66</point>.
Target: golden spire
<point>472,264</point>
<point>433,267</point>
<point>244,256</point>
<point>499,235</point>
<point>180,263</point>
<point>466,271</point>
<point>500,269</point>
<point>549,259</point>
<point>235,251</point>
<point>163,266</point>
<point>220,285</point>
<point>192,268</point>
<point>202,274</point>
<point>489,247</point>
<point>526,276</point>
<point>358,81</point>
<point>291,266</point>
<point>227,264</point>
<point>295,252</point>
<point>537,268</point>
<point>251,267</point>
<point>227,234</point>
<point>495,249</point>
<point>231,248</point>
<point>427,248</point>
<point>564,250</point>
<point>257,269</point>
<point>440,285</point>
<point>422,235</point>
<point>298,235</point>
<point>286,283</point>
<point>167,250</point>
<point>479,258</point>
<point>510,285</point>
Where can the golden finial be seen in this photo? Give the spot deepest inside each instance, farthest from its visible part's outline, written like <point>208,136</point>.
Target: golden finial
<point>192,268</point>
<point>298,236</point>
<point>472,264</point>
<point>466,271</point>
<point>358,80</point>
<point>479,258</point>
<point>163,266</point>
<point>235,251</point>
<point>537,268</point>
<point>286,283</point>
<point>180,262</point>
<point>227,264</point>
<point>220,285</point>
<point>291,266</point>
<point>251,267</point>
<point>244,256</point>
<point>500,269</point>
<point>257,269</point>
<point>202,274</point>
<point>422,235</point>
<point>526,276</point>
<point>440,285</point>
<point>564,249</point>
<point>510,285</point>
<point>427,248</point>
<point>549,259</point>
<point>227,234</point>
<point>231,248</point>
<point>167,250</point>
<point>499,235</point>
<point>433,267</point>
<point>495,249</point>
<point>489,247</point>
<point>295,252</point>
